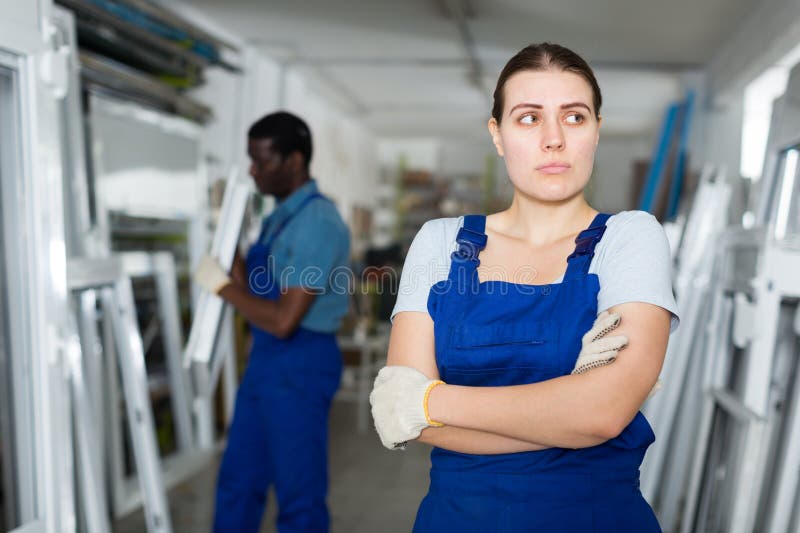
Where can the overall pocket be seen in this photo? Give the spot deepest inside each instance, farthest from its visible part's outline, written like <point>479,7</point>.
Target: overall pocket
<point>502,354</point>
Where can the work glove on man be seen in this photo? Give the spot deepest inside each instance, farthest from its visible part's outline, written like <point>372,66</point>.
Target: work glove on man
<point>399,401</point>
<point>210,275</point>
<point>598,350</point>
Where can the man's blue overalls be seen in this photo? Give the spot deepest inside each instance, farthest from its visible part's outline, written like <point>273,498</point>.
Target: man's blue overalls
<point>498,333</point>
<point>279,433</point>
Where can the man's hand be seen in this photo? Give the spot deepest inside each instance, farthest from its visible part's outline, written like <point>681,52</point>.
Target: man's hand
<point>210,275</point>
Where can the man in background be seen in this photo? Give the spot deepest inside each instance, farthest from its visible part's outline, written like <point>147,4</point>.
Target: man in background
<point>279,433</point>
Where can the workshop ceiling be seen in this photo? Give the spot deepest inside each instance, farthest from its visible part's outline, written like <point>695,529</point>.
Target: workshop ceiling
<point>427,67</point>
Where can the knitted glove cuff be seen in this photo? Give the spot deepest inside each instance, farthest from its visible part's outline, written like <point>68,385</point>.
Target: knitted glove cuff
<point>600,360</point>
<point>428,390</point>
<point>412,409</point>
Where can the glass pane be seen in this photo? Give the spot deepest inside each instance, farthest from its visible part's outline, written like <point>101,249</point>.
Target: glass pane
<point>18,496</point>
<point>7,514</point>
<point>163,184</point>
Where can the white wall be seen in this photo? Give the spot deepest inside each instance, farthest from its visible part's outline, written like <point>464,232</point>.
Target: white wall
<point>444,158</point>
<point>417,153</point>
<point>771,31</point>
<point>466,157</point>
<point>723,135</point>
<point>344,161</point>
<point>612,179</point>
<point>766,36</point>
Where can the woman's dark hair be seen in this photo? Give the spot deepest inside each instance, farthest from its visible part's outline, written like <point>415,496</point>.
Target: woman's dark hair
<point>288,132</point>
<point>545,56</point>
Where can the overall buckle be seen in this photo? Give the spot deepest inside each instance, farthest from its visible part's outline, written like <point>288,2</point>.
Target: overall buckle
<point>586,241</point>
<point>470,243</point>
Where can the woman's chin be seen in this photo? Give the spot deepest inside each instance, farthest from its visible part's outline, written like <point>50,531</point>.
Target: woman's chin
<point>549,195</point>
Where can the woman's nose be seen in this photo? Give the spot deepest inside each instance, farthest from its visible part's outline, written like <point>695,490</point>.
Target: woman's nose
<point>553,138</point>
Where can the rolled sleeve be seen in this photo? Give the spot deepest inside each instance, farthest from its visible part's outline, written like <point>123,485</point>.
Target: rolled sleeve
<point>427,262</point>
<point>637,267</point>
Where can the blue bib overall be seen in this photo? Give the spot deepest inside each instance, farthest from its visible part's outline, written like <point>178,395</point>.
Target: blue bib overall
<point>279,433</point>
<point>498,333</point>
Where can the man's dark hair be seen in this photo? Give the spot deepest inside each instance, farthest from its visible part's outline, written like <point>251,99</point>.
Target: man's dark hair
<point>288,132</point>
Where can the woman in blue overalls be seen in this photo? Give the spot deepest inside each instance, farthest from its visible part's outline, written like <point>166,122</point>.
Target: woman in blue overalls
<point>485,374</point>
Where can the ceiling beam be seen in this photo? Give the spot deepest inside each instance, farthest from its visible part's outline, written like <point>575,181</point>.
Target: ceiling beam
<point>459,11</point>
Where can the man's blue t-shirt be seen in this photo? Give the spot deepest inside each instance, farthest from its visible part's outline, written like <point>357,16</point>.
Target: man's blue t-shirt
<point>312,251</point>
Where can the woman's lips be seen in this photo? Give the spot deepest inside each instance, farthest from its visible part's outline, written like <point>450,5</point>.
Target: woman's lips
<point>556,167</point>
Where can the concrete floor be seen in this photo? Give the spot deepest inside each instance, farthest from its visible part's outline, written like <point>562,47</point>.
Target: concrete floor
<point>371,488</point>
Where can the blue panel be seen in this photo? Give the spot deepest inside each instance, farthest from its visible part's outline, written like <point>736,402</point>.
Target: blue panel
<point>659,161</point>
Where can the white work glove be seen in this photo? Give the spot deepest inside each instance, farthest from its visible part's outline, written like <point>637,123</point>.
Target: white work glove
<point>210,275</point>
<point>399,401</point>
<point>598,350</point>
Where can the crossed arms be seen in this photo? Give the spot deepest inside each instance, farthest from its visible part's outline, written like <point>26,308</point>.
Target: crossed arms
<point>574,411</point>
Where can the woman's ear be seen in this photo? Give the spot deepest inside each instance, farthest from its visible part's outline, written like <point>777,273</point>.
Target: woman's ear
<point>494,131</point>
<point>599,123</point>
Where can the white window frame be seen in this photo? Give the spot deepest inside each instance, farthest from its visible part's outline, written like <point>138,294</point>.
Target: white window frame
<point>35,260</point>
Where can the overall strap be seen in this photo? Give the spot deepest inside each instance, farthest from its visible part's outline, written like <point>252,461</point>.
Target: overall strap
<point>578,262</point>
<point>283,223</point>
<point>471,239</point>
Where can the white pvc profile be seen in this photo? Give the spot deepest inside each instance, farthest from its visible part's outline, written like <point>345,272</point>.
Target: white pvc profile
<point>782,507</point>
<point>90,474</point>
<point>788,181</point>
<point>669,409</point>
<point>118,305</point>
<point>93,442</point>
<point>32,527</point>
<point>783,135</point>
<point>35,260</point>
<point>16,418</point>
<point>766,357</point>
<point>206,322</point>
<point>206,349</point>
<point>161,267</point>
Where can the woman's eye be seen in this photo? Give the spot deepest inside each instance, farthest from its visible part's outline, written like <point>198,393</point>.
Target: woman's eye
<point>574,118</point>
<point>528,119</point>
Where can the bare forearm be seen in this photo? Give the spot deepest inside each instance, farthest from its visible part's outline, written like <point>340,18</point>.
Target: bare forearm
<point>574,411</point>
<point>239,270</point>
<point>262,313</point>
<point>475,442</point>
<point>569,412</point>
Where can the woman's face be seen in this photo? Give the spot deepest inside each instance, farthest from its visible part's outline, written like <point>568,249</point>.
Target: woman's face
<point>548,134</point>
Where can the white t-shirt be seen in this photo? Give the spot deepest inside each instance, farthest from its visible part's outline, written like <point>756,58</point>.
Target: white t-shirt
<point>632,262</point>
